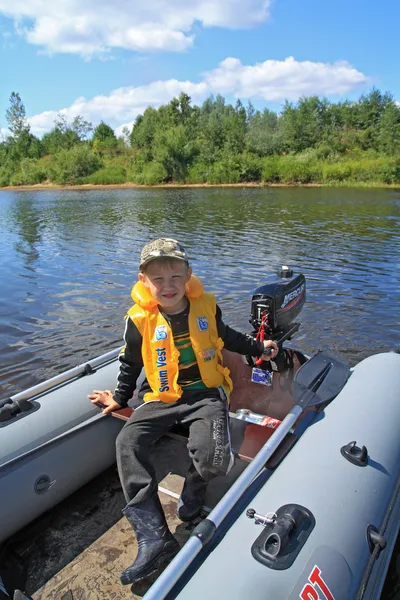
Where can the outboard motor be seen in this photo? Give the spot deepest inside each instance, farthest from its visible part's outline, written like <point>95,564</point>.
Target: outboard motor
<point>274,308</point>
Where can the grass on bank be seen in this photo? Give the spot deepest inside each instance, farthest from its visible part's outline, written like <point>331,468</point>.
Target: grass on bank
<point>82,166</point>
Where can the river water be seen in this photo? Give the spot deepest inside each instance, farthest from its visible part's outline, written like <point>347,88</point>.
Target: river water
<point>68,260</point>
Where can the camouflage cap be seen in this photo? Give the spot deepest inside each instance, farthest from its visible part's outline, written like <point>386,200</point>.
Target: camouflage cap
<point>163,247</point>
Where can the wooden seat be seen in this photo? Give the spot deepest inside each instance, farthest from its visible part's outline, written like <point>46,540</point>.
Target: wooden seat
<point>122,413</point>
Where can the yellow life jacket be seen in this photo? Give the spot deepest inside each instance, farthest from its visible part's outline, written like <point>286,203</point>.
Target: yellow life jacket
<point>160,356</point>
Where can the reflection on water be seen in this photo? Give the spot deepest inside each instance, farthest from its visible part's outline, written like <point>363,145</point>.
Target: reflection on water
<point>68,260</point>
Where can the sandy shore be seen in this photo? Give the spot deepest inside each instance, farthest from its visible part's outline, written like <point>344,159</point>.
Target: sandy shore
<point>90,186</point>
<point>265,185</point>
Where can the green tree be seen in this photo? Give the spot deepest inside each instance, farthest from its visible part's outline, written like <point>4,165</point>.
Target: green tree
<point>103,132</point>
<point>388,137</point>
<point>16,116</point>
<point>303,125</point>
<point>22,143</point>
<point>362,119</point>
<point>371,107</point>
<point>69,166</point>
<point>212,136</point>
<point>174,151</point>
<point>61,137</point>
<point>262,136</point>
<point>104,140</point>
<point>235,125</point>
<point>81,127</point>
<point>144,130</point>
<point>185,109</point>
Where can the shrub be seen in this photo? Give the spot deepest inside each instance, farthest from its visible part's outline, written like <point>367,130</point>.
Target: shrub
<point>106,176</point>
<point>4,177</point>
<point>135,166</point>
<point>323,151</point>
<point>250,167</point>
<point>376,170</point>
<point>152,174</point>
<point>390,172</point>
<point>16,178</point>
<point>70,166</point>
<point>32,172</point>
<point>270,170</point>
<point>364,170</point>
<point>294,170</point>
<point>336,171</point>
<point>197,173</point>
<point>226,170</point>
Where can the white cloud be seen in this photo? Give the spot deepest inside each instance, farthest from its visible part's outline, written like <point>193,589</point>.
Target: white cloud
<point>88,27</point>
<point>271,81</point>
<point>119,130</point>
<point>274,80</point>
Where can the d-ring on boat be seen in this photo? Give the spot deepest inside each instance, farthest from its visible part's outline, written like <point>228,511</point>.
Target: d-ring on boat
<point>313,510</point>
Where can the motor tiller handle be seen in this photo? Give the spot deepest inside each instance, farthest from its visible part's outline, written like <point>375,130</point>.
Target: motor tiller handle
<point>267,351</point>
<point>261,336</point>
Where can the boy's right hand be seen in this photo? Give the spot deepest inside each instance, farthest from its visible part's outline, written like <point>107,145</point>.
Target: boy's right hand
<point>104,399</point>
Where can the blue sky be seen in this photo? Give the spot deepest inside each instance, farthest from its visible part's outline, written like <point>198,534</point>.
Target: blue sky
<point>109,60</point>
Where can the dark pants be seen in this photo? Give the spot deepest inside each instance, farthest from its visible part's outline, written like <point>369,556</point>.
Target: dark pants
<point>209,442</point>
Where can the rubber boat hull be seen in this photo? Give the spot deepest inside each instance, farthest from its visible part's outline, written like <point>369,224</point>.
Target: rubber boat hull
<point>345,499</point>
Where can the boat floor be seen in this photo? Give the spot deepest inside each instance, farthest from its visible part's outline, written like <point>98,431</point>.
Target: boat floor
<point>78,551</point>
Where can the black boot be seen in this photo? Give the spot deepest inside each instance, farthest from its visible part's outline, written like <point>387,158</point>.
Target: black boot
<point>192,497</point>
<point>156,544</point>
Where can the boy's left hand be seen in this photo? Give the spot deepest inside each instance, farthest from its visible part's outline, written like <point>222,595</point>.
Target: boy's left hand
<point>270,349</point>
<point>104,399</point>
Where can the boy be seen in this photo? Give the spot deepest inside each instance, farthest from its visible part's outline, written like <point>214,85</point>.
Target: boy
<point>175,330</point>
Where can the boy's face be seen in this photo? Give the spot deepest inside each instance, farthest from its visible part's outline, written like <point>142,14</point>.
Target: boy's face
<point>166,282</point>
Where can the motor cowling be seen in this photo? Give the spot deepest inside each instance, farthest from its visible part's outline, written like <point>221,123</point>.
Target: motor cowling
<point>277,302</point>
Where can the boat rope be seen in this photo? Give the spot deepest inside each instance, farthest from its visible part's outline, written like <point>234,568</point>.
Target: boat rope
<point>379,543</point>
<point>261,333</point>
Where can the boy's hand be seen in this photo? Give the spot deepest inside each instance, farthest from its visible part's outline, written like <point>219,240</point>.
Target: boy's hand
<point>104,399</point>
<point>270,349</point>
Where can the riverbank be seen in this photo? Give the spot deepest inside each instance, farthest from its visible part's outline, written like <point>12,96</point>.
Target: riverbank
<point>177,185</point>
